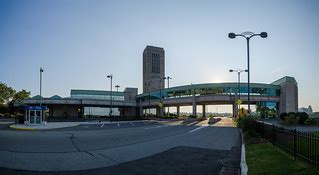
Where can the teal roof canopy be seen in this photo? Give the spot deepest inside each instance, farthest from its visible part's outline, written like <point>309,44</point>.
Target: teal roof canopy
<point>56,97</point>
<point>36,97</point>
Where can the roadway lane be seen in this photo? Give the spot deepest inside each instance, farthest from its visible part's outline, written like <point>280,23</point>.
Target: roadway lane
<point>64,150</point>
<point>107,125</point>
<point>4,126</point>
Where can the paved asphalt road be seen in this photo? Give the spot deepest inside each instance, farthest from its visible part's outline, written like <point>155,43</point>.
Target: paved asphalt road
<point>124,148</point>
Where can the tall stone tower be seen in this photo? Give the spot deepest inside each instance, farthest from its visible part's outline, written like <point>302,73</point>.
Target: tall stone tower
<point>153,68</point>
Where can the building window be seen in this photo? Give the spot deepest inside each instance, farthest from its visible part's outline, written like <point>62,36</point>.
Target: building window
<point>155,63</point>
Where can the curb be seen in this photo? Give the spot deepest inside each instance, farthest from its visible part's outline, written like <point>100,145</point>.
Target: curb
<point>23,129</point>
<point>37,129</point>
<point>243,164</point>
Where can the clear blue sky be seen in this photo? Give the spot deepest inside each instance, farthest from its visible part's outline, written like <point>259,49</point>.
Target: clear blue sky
<point>79,42</point>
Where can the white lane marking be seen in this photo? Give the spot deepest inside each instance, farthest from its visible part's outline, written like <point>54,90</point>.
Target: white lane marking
<point>85,126</point>
<point>102,125</point>
<point>132,124</point>
<point>191,123</point>
<point>118,125</point>
<point>196,129</point>
<point>160,126</point>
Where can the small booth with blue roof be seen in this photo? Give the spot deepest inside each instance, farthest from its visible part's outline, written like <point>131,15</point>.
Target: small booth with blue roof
<point>35,115</point>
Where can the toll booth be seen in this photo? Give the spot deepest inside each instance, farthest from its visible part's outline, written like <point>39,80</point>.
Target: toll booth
<point>35,115</point>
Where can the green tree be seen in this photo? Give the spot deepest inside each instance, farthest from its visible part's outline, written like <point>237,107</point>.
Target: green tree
<point>21,95</point>
<point>6,93</point>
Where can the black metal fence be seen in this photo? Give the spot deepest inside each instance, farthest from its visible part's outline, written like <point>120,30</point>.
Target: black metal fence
<point>300,144</point>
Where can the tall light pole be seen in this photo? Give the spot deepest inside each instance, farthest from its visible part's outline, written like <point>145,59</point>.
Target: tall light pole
<point>238,71</point>
<point>149,102</point>
<point>248,35</point>
<point>117,88</point>
<point>161,101</point>
<point>111,110</point>
<point>167,78</point>
<point>41,71</point>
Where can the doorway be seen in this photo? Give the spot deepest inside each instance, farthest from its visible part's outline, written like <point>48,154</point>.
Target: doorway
<point>35,116</point>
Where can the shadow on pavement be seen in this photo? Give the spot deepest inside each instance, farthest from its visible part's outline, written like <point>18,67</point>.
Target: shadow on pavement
<point>179,160</point>
<point>214,120</point>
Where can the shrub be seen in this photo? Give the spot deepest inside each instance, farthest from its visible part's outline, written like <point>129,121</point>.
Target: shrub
<point>282,116</point>
<point>169,117</point>
<point>291,119</point>
<point>19,119</point>
<point>211,116</point>
<point>302,117</point>
<point>248,125</point>
<point>171,114</point>
<point>272,113</point>
<point>193,116</point>
<point>310,121</point>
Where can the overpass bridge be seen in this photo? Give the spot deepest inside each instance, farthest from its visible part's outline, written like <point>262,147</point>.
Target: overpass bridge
<point>209,94</point>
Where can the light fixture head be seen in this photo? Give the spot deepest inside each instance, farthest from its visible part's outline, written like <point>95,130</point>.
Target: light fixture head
<point>231,35</point>
<point>264,34</point>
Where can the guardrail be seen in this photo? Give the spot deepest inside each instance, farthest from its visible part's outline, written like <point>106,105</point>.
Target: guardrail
<point>299,144</point>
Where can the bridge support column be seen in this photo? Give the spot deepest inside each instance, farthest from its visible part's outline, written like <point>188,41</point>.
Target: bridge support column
<point>177,110</point>
<point>194,104</point>
<point>162,111</point>
<point>159,112</point>
<point>141,109</point>
<point>204,110</point>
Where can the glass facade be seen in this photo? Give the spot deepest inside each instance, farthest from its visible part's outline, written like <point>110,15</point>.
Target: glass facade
<point>97,95</point>
<point>212,89</point>
<point>100,111</point>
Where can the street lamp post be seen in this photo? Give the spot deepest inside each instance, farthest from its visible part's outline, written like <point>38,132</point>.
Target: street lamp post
<point>238,71</point>
<point>248,35</point>
<point>167,78</point>
<point>117,88</point>
<point>149,102</point>
<point>111,110</point>
<point>161,100</point>
<point>41,70</point>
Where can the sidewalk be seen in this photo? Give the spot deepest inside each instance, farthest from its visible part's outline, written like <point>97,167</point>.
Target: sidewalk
<point>50,125</point>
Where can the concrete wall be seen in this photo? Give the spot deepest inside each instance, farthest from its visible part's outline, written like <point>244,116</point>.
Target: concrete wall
<point>130,94</point>
<point>130,111</point>
<point>288,98</point>
<point>65,111</point>
<point>288,94</point>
